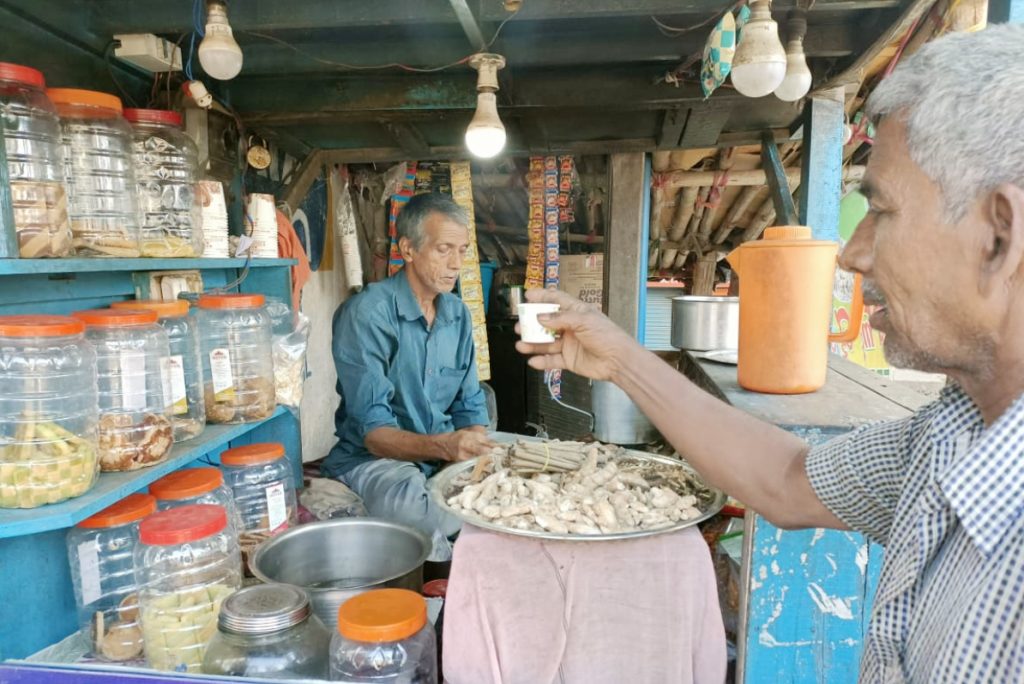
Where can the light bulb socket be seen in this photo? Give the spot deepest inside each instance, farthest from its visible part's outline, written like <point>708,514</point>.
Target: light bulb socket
<point>796,25</point>
<point>487,65</point>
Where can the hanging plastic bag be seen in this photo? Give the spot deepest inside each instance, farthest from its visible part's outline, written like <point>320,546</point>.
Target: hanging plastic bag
<point>289,352</point>
<point>346,229</point>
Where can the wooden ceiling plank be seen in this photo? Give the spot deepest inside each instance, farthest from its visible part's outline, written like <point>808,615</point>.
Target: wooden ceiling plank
<point>672,124</point>
<point>703,126</point>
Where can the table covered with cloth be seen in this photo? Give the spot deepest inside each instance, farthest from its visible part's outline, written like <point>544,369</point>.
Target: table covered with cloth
<point>530,611</point>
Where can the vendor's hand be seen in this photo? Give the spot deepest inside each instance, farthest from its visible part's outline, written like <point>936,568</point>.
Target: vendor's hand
<point>463,445</point>
<point>589,343</point>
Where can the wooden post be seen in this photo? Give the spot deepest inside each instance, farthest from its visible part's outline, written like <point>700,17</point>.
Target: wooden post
<point>625,242</point>
<point>704,274</point>
<point>778,186</point>
<point>822,168</point>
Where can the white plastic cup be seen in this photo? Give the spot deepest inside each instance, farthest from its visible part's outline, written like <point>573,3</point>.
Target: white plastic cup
<point>530,329</point>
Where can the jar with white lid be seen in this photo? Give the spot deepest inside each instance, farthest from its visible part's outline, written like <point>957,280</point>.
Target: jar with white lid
<point>131,354</point>
<point>238,363</point>
<point>186,564</point>
<point>261,481</point>
<point>48,400</point>
<point>196,486</point>
<point>384,637</point>
<point>35,164</point>
<point>268,631</point>
<point>184,377</point>
<point>101,555</point>
<point>166,171</point>
<point>99,174</point>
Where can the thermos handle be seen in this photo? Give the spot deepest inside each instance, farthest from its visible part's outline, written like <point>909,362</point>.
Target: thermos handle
<point>856,316</point>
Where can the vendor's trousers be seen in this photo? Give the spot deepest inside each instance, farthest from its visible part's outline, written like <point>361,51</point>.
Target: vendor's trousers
<point>398,491</point>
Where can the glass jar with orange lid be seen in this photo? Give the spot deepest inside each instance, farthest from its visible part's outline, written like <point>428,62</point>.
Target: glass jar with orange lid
<point>384,637</point>
<point>238,363</point>
<point>186,564</point>
<point>183,373</point>
<point>166,169</point>
<point>196,486</point>
<point>261,481</point>
<point>101,552</point>
<point>35,164</point>
<point>134,420</point>
<point>98,173</point>
<point>48,408</point>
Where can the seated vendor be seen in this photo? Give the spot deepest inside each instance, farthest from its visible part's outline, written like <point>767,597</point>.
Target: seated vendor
<point>410,397</point>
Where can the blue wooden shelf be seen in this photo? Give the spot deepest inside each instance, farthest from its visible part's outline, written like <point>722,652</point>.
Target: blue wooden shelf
<point>113,487</point>
<point>27,266</point>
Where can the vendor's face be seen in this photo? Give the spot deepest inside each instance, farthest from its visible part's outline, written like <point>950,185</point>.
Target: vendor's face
<point>920,271</point>
<point>435,264</point>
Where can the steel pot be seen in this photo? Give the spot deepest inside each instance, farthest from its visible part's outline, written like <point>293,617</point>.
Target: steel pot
<point>335,560</point>
<point>705,323</point>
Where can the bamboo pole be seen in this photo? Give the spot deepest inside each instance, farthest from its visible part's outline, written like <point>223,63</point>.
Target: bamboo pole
<point>688,179</point>
<point>736,210</point>
<point>704,274</point>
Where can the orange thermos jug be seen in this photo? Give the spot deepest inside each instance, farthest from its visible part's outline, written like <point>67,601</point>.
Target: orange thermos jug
<point>786,281</point>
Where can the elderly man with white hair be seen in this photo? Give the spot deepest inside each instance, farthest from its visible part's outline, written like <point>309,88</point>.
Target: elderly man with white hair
<point>942,255</point>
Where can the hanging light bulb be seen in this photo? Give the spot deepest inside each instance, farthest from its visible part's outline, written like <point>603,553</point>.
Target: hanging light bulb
<point>760,62</point>
<point>485,136</point>
<point>798,77</point>
<point>219,53</point>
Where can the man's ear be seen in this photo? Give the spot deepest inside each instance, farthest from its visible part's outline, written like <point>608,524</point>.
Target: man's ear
<point>405,248</point>
<point>1003,223</point>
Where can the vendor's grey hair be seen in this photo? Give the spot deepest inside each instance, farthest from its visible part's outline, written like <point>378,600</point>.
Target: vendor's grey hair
<point>962,99</point>
<point>410,220</point>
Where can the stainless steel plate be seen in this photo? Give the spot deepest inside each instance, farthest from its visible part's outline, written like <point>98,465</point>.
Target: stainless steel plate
<point>442,487</point>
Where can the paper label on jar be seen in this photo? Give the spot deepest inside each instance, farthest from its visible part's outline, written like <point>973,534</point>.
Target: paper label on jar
<point>220,369</point>
<point>133,380</point>
<point>89,571</point>
<point>174,385</point>
<point>277,509</point>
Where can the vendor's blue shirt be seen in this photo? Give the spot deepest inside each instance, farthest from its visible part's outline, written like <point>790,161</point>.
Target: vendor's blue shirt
<point>394,371</point>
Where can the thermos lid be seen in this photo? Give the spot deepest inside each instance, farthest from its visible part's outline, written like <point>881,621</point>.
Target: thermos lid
<point>263,609</point>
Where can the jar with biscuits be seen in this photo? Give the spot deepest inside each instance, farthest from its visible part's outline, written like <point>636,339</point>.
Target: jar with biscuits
<point>99,174</point>
<point>101,552</point>
<point>134,429</point>
<point>237,354</point>
<point>35,166</point>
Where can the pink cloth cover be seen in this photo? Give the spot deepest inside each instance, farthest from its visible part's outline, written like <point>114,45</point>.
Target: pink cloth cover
<point>525,611</point>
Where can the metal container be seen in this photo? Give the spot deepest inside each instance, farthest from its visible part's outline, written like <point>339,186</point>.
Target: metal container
<point>705,323</point>
<point>617,420</point>
<point>334,560</point>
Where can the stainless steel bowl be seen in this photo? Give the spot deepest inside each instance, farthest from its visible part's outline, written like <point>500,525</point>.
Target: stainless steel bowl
<point>335,560</point>
<point>705,323</point>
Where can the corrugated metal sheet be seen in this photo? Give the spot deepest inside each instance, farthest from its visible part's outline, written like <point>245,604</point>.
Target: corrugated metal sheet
<point>658,326</point>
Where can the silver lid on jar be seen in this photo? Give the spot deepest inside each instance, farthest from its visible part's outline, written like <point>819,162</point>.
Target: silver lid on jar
<point>263,609</point>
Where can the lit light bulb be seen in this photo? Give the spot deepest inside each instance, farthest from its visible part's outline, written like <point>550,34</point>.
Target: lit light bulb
<point>485,135</point>
<point>218,52</point>
<point>759,65</point>
<point>798,77</point>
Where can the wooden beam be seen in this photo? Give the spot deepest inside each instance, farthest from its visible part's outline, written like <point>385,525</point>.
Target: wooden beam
<point>672,124</point>
<point>822,158</point>
<point>625,241</point>
<point>308,170</point>
<point>470,26</point>
<point>778,186</point>
<point>703,126</point>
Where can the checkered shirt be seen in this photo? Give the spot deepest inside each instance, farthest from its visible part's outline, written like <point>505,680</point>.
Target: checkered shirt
<point>945,496</point>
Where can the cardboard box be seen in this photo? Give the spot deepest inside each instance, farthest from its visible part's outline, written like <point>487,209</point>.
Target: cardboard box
<point>582,276</point>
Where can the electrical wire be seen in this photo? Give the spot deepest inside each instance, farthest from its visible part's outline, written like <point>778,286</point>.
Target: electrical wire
<point>389,65</point>
<point>110,69</point>
<point>674,31</point>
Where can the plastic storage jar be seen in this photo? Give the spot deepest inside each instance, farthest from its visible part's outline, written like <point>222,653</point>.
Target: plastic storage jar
<point>260,478</point>
<point>35,164</point>
<point>384,637</point>
<point>269,631</point>
<point>196,486</point>
<point>183,379</point>
<point>101,554</point>
<point>238,362</point>
<point>47,411</point>
<point>98,173</point>
<point>186,564</point>
<point>166,162</point>
<point>131,351</point>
